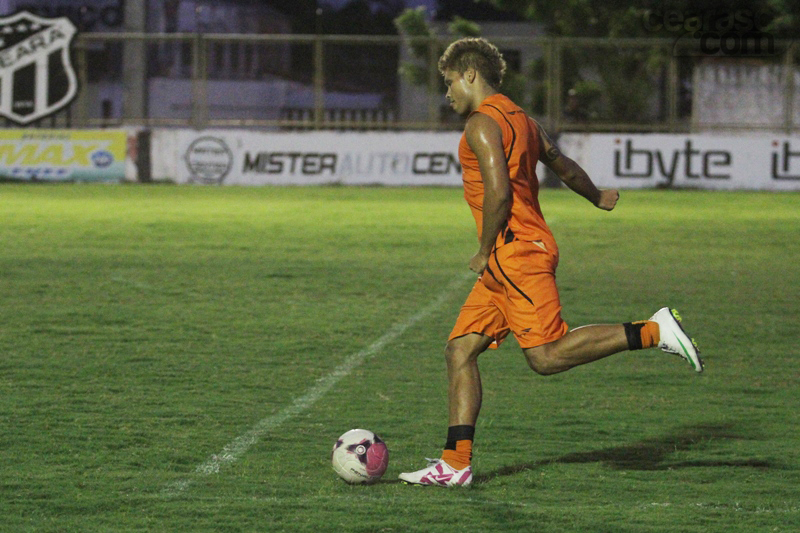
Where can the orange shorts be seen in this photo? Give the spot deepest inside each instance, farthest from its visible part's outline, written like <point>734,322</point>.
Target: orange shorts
<point>517,292</point>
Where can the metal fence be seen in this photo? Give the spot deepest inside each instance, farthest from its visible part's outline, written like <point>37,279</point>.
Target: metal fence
<point>353,82</point>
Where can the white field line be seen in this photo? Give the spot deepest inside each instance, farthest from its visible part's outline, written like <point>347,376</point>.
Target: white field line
<point>239,446</point>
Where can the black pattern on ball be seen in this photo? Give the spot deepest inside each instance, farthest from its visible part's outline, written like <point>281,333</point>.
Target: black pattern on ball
<point>360,450</point>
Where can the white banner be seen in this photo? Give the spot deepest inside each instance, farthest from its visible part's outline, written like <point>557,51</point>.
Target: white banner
<point>238,157</point>
<point>764,162</point>
<point>313,158</point>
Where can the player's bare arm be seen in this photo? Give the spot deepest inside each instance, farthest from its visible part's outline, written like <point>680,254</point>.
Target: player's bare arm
<point>486,139</point>
<point>573,175</point>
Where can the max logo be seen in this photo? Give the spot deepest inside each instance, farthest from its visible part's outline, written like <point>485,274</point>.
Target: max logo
<point>36,75</point>
<point>630,162</point>
<point>782,162</point>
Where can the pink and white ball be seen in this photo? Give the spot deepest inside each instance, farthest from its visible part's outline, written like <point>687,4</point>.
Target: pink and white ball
<point>360,457</point>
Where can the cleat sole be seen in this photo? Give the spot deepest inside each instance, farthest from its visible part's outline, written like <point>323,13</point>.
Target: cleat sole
<point>678,319</point>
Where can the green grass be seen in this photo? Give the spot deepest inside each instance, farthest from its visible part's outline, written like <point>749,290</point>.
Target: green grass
<point>144,329</point>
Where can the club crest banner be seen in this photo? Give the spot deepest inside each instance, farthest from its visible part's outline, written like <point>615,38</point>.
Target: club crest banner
<point>36,74</point>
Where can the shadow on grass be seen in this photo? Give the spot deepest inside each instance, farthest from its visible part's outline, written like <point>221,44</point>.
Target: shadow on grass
<point>649,454</point>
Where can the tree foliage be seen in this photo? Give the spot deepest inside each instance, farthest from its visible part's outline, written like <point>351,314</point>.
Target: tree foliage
<point>615,83</point>
<point>413,24</point>
<point>628,77</point>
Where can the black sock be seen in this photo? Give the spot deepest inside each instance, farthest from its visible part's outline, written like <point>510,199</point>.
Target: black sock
<point>457,433</point>
<point>634,335</point>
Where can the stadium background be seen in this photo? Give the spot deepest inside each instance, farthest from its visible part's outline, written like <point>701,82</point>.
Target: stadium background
<point>163,74</point>
<point>182,357</point>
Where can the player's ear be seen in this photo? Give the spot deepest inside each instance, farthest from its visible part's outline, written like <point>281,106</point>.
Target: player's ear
<point>470,74</point>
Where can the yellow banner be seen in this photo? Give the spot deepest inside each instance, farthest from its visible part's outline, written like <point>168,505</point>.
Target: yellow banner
<point>62,155</point>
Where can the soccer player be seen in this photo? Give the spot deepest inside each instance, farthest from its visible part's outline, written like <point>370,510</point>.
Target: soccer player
<point>517,256</point>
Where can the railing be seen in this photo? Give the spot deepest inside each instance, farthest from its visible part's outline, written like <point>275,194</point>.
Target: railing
<point>352,82</point>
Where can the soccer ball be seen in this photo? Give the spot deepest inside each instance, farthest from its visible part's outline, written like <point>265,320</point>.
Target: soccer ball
<point>360,457</point>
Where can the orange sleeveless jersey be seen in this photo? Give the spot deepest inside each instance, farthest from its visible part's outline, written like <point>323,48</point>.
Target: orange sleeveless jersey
<point>521,146</point>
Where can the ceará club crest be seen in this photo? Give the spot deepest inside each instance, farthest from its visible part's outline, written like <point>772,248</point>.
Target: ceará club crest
<point>37,78</point>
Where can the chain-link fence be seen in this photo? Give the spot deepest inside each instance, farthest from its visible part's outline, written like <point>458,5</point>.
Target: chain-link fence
<point>353,82</point>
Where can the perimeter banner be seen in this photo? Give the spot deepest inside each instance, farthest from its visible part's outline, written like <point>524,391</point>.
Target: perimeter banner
<point>62,155</point>
<point>313,158</point>
<point>763,162</point>
<point>624,161</point>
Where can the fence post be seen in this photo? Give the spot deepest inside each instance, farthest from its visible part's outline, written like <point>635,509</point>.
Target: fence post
<point>199,116</point>
<point>788,93</point>
<point>134,62</point>
<point>554,84</point>
<point>672,93</point>
<point>433,79</point>
<point>319,82</point>
<point>82,101</point>
<point>548,83</point>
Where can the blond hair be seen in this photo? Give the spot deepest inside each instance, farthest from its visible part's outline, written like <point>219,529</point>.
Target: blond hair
<point>476,53</point>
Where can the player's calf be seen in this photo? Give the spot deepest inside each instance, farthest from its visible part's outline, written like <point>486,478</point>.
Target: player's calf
<point>542,360</point>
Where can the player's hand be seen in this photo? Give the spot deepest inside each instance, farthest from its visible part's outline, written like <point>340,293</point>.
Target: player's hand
<point>478,262</point>
<point>608,199</point>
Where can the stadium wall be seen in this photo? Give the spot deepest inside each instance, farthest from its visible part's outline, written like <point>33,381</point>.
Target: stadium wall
<point>244,157</point>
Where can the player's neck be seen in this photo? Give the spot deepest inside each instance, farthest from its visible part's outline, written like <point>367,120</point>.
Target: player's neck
<point>481,96</point>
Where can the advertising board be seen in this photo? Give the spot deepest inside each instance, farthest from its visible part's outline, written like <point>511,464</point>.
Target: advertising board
<point>62,155</point>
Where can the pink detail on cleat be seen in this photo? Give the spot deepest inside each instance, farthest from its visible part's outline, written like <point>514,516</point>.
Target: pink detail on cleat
<point>438,474</point>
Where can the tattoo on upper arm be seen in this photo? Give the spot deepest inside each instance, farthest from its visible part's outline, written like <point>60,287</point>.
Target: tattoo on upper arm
<point>551,152</point>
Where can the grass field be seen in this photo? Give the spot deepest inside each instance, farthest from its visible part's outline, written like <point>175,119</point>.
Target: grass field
<point>183,358</point>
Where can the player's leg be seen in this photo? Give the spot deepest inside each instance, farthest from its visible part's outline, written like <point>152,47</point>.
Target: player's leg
<point>464,380</point>
<point>579,346</point>
<point>533,310</point>
<point>479,325</point>
<point>464,395</point>
<point>590,343</point>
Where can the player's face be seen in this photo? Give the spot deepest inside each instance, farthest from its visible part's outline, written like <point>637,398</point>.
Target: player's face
<point>457,91</point>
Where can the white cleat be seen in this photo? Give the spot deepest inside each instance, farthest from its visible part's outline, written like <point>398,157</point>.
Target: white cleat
<point>438,474</point>
<point>674,339</point>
